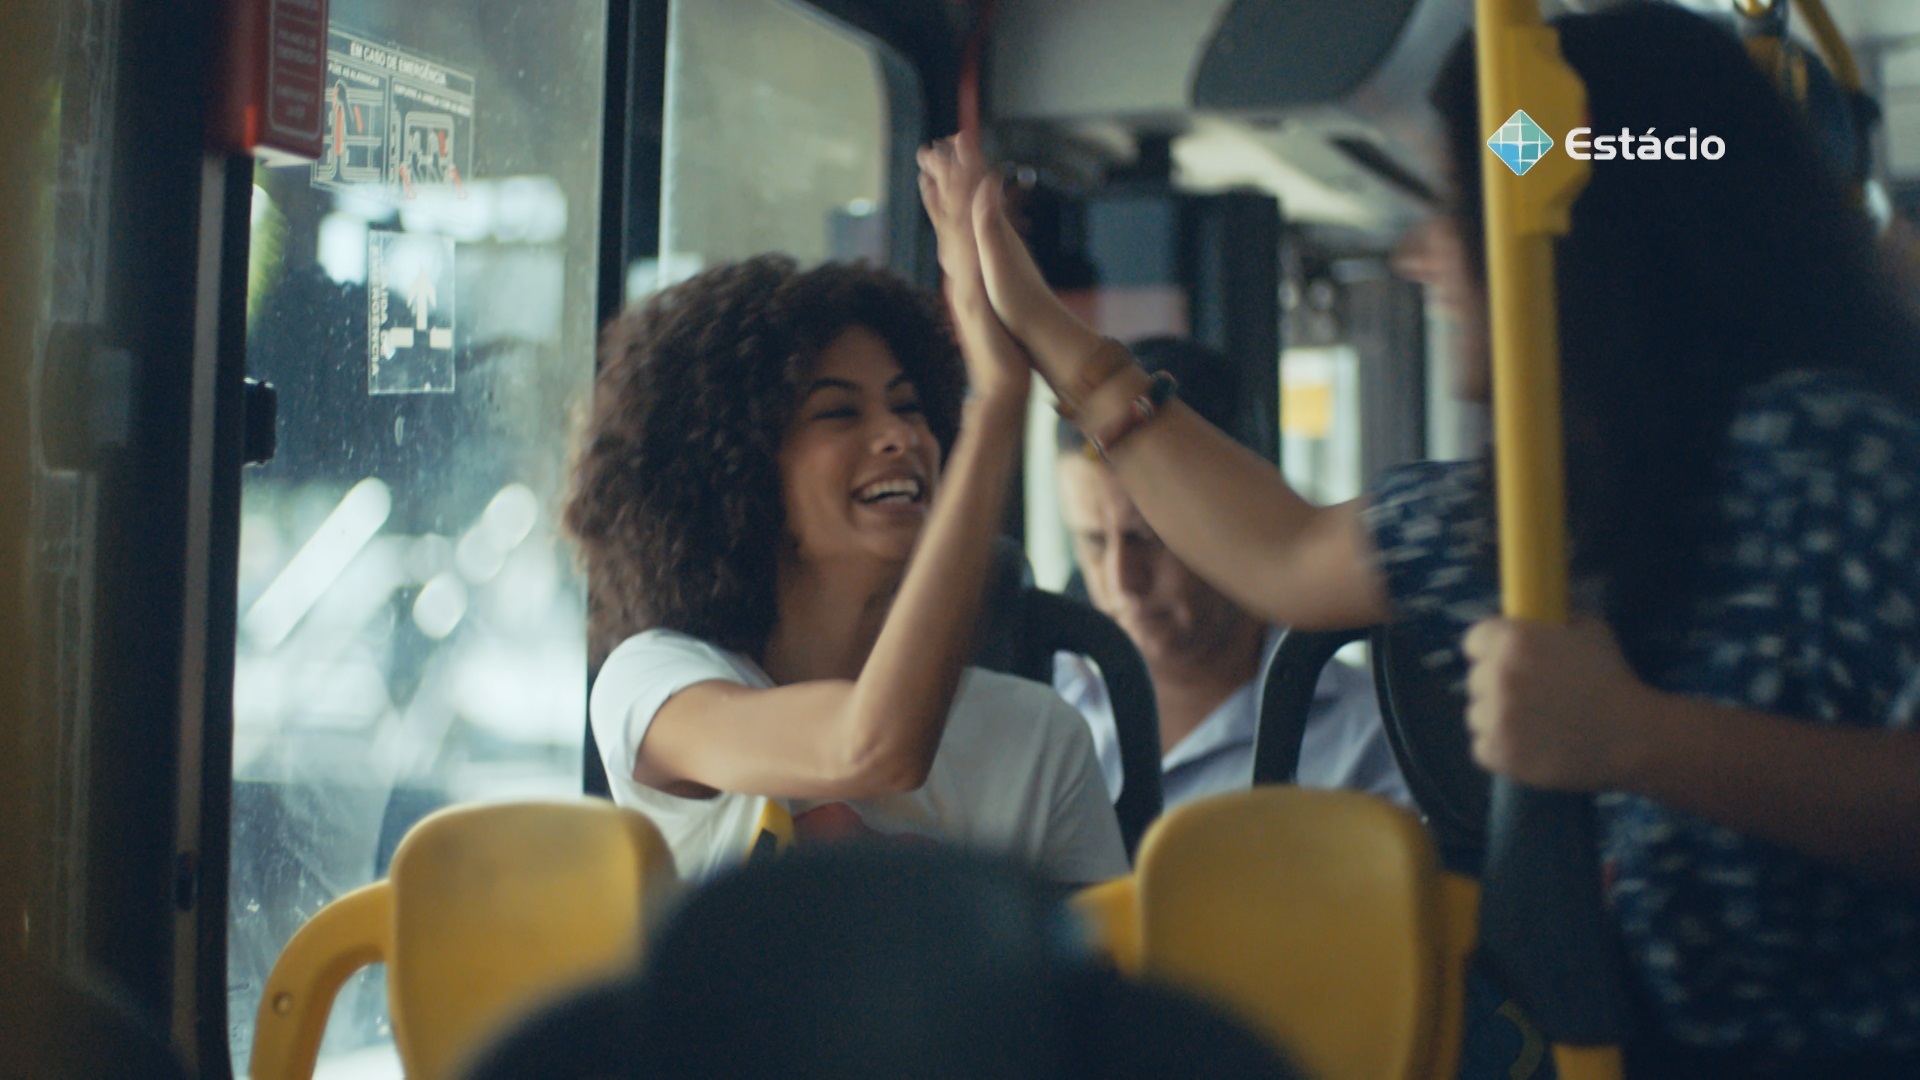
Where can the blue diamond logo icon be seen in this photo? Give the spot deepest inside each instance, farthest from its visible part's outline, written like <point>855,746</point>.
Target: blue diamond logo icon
<point>1520,142</point>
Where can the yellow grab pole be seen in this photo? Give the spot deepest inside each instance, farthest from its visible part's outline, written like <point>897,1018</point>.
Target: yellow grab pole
<point>1839,56</point>
<point>1542,921</point>
<point>1520,69</point>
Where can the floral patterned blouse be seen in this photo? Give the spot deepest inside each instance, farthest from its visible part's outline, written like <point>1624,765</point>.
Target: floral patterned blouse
<point>1809,608</point>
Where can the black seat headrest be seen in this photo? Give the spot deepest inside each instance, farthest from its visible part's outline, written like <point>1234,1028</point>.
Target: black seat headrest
<point>1425,711</point>
<point>1425,716</point>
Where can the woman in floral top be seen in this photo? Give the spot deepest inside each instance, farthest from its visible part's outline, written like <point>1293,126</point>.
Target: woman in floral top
<point>1742,417</point>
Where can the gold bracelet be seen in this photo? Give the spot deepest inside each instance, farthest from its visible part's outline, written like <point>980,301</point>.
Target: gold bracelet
<point>1069,404</point>
<point>1148,403</point>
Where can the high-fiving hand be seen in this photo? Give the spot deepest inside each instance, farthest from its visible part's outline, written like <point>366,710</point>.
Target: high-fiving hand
<point>951,172</point>
<point>968,206</point>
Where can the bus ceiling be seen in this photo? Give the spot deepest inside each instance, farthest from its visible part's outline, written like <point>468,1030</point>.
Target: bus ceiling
<point>1322,103</point>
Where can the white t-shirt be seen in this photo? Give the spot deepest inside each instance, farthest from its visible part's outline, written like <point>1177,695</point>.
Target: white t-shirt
<point>1015,771</point>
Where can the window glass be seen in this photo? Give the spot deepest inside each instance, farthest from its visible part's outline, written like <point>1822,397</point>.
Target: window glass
<point>777,139</point>
<point>1320,422</point>
<point>411,626</point>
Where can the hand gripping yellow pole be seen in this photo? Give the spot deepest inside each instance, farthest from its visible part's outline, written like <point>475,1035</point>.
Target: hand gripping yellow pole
<point>1542,923</point>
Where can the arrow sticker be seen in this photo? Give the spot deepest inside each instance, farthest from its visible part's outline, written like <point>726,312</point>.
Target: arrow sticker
<point>420,298</point>
<point>410,313</point>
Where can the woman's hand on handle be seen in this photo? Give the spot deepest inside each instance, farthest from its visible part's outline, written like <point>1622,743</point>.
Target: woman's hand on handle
<point>1558,707</point>
<point>1554,707</point>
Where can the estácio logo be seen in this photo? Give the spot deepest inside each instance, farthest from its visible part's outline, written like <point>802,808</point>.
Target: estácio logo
<point>1521,143</point>
<point>1644,147</point>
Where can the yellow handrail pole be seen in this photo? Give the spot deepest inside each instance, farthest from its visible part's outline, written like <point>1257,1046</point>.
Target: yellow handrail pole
<point>1764,30</point>
<point>1839,57</point>
<point>1520,67</point>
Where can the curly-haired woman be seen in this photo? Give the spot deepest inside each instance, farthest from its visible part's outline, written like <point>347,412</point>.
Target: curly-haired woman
<point>789,579</point>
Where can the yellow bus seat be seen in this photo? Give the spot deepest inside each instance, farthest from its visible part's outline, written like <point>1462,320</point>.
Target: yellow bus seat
<point>773,833</point>
<point>487,912</point>
<point>876,960</point>
<point>1319,917</point>
<point>1459,934</point>
<point>1111,911</point>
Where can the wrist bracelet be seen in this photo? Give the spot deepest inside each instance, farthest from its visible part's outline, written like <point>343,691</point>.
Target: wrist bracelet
<point>1071,408</point>
<point>1161,388</point>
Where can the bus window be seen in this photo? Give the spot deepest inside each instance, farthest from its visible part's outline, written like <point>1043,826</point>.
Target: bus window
<point>411,627</point>
<point>1320,422</point>
<point>776,139</point>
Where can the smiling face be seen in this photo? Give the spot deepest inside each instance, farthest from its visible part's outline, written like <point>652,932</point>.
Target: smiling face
<point>1174,618</point>
<point>859,464</point>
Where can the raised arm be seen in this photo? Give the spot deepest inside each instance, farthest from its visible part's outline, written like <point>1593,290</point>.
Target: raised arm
<point>1226,512</point>
<point>877,733</point>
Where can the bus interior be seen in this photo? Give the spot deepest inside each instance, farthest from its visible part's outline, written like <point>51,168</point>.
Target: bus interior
<point>289,432</point>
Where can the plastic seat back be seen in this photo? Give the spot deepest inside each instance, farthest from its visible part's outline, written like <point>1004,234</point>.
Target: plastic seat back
<point>499,907</point>
<point>1286,698</point>
<point>488,911</point>
<point>1053,623</point>
<point>1022,627</point>
<point>1317,916</point>
<point>1425,713</point>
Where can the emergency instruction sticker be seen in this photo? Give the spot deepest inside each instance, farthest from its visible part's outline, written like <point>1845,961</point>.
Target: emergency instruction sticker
<point>409,313</point>
<point>394,120</point>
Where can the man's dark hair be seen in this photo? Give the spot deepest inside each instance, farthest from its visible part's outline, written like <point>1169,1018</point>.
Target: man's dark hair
<point>1208,385</point>
<point>676,498</point>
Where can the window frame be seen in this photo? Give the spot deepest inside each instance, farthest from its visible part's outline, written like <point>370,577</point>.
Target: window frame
<point>920,64</point>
